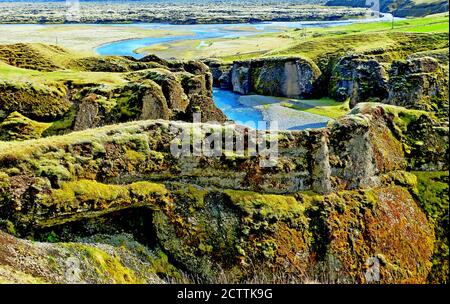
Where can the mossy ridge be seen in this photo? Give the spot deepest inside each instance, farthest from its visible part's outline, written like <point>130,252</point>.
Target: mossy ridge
<point>325,106</point>
<point>423,137</point>
<point>106,266</point>
<point>81,93</point>
<point>269,207</point>
<point>18,127</point>
<point>75,197</point>
<point>35,56</point>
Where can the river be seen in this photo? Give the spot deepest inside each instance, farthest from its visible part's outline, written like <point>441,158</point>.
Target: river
<point>249,111</point>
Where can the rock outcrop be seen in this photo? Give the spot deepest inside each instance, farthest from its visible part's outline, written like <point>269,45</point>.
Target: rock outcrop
<point>221,73</point>
<point>419,84</point>
<point>150,88</point>
<point>360,223</point>
<point>416,83</point>
<point>363,200</point>
<point>359,80</point>
<point>285,77</point>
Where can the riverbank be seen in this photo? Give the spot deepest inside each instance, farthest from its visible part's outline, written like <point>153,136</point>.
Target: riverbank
<point>274,111</point>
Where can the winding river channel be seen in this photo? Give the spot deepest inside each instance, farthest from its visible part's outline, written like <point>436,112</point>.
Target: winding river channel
<point>254,111</point>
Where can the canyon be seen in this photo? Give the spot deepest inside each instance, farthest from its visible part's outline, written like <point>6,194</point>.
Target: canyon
<point>90,191</point>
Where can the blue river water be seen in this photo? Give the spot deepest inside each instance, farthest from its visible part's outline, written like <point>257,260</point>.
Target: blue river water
<point>209,31</point>
<point>228,101</point>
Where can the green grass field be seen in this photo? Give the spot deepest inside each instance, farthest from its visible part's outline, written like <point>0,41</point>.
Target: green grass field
<point>310,42</point>
<point>324,106</point>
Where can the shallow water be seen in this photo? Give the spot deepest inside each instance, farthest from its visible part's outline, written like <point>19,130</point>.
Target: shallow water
<point>209,31</point>
<point>262,112</point>
<point>248,113</point>
<point>229,103</point>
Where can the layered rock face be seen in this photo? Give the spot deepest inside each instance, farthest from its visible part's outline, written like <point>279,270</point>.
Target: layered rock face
<point>418,82</point>
<point>358,79</point>
<point>287,77</point>
<point>221,73</point>
<point>361,223</point>
<point>363,200</point>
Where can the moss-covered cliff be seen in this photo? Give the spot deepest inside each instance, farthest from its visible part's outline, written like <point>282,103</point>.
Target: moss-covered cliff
<point>340,206</point>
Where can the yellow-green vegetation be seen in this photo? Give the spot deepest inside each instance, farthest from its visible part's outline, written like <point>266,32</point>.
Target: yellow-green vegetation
<point>92,195</point>
<point>268,207</point>
<point>402,117</point>
<point>9,275</point>
<point>116,259</point>
<point>72,194</point>
<point>396,44</point>
<point>312,42</point>
<point>18,127</point>
<point>432,193</point>
<point>108,267</point>
<point>324,106</point>
<point>76,93</point>
<point>147,189</point>
<point>40,79</point>
<point>251,46</point>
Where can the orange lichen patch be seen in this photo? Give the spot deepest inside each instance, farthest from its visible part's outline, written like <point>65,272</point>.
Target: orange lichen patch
<point>399,230</point>
<point>292,249</point>
<point>383,223</point>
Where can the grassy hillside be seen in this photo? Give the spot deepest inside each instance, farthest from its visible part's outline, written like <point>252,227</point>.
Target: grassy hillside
<point>422,34</point>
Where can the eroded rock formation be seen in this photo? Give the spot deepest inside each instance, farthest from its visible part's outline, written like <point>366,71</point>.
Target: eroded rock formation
<point>150,88</point>
<point>419,82</point>
<point>338,201</point>
<point>288,77</point>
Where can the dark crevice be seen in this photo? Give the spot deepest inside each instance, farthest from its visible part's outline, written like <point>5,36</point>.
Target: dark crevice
<point>134,221</point>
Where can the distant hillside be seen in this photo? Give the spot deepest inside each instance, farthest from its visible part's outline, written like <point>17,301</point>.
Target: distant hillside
<point>400,8</point>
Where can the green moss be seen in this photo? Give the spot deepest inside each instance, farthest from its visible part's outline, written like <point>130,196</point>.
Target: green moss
<point>193,195</point>
<point>8,226</point>
<point>109,267</point>
<point>62,125</point>
<point>4,187</point>
<point>76,193</point>
<point>365,223</point>
<point>147,189</point>
<point>18,127</point>
<point>261,209</point>
<point>402,178</point>
<point>432,194</point>
<point>135,156</point>
<point>325,107</point>
<point>267,203</point>
<point>161,266</point>
<point>38,100</point>
<point>403,117</point>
